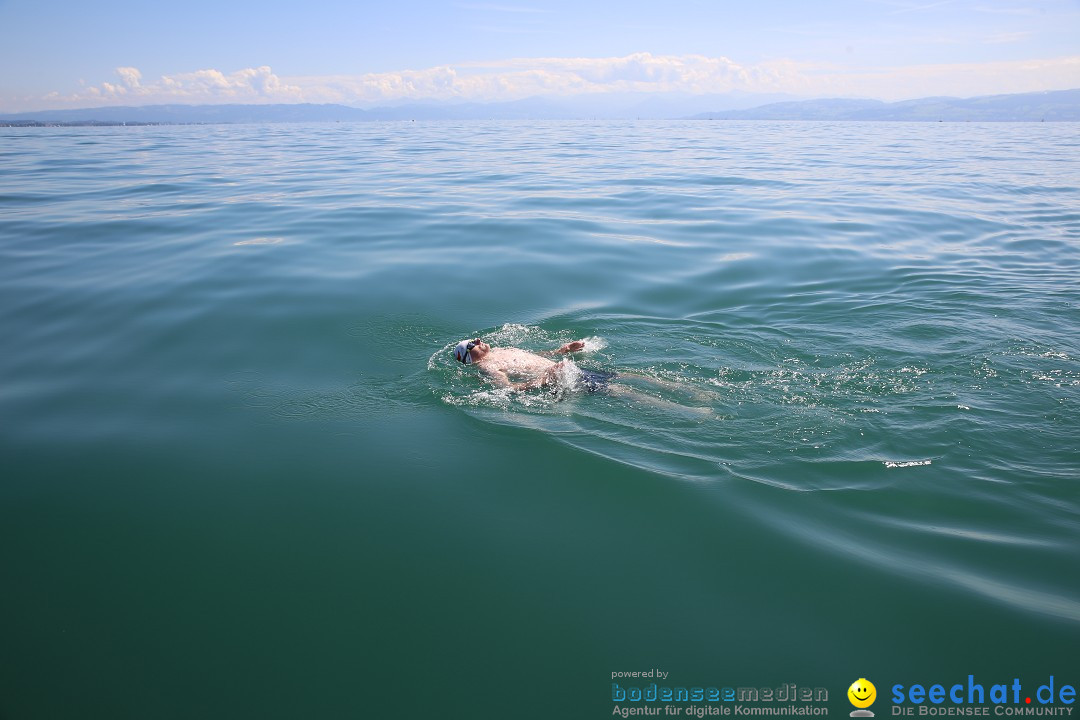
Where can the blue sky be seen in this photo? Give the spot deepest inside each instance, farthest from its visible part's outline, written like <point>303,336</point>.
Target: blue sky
<point>78,54</point>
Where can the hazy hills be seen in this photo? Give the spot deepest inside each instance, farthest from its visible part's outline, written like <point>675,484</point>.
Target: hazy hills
<point>607,106</point>
<point>1032,107</point>
<point>1062,105</point>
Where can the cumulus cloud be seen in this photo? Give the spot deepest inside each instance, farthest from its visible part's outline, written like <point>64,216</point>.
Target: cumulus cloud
<point>520,78</point>
<point>129,76</point>
<point>528,77</point>
<point>692,74</point>
<point>252,85</point>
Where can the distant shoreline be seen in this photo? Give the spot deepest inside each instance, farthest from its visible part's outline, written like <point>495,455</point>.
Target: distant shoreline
<point>87,123</point>
<point>1050,106</point>
<point>37,124</point>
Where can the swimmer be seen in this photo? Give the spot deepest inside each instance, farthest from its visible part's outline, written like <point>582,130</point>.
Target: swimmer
<point>505,365</point>
<point>520,370</point>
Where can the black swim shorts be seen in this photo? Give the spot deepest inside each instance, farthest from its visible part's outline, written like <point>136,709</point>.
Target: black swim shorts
<point>595,380</point>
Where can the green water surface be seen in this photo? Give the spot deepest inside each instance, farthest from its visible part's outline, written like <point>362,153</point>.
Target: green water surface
<point>243,477</point>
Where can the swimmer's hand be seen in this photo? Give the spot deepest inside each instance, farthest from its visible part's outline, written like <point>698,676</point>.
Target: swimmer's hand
<point>571,347</point>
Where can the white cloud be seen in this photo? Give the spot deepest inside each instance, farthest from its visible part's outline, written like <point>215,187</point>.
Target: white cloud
<point>520,78</point>
<point>252,85</point>
<point>693,74</point>
<point>527,77</point>
<point>1011,37</point>
<point>130,76</point>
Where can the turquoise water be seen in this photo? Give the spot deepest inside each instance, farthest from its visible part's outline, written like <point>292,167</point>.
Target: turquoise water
<point>242,475</point>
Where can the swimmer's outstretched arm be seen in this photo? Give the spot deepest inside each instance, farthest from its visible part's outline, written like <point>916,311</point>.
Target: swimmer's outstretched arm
<point>569,347</point>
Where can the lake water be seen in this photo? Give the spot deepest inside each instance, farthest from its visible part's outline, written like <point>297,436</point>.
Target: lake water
<point>242,476</point>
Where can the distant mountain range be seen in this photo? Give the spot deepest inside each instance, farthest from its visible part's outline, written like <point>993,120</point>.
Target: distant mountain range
<point>1061,105</point>
<point>607,105</point>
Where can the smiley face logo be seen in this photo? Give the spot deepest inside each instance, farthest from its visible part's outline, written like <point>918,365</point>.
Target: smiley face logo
<point>862,693</point>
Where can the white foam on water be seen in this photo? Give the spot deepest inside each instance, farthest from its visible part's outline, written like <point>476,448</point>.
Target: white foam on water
<point>594,344</point>
<point>906,463</point>
<point>261,241</point>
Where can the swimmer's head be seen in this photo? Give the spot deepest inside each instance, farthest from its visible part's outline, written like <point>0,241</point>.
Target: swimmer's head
<point>468,351</point>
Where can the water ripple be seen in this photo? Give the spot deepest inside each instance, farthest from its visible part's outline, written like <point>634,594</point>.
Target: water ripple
<point>814,312</point>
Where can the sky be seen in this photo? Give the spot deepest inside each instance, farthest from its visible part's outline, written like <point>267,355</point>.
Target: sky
<point>67,54</point>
